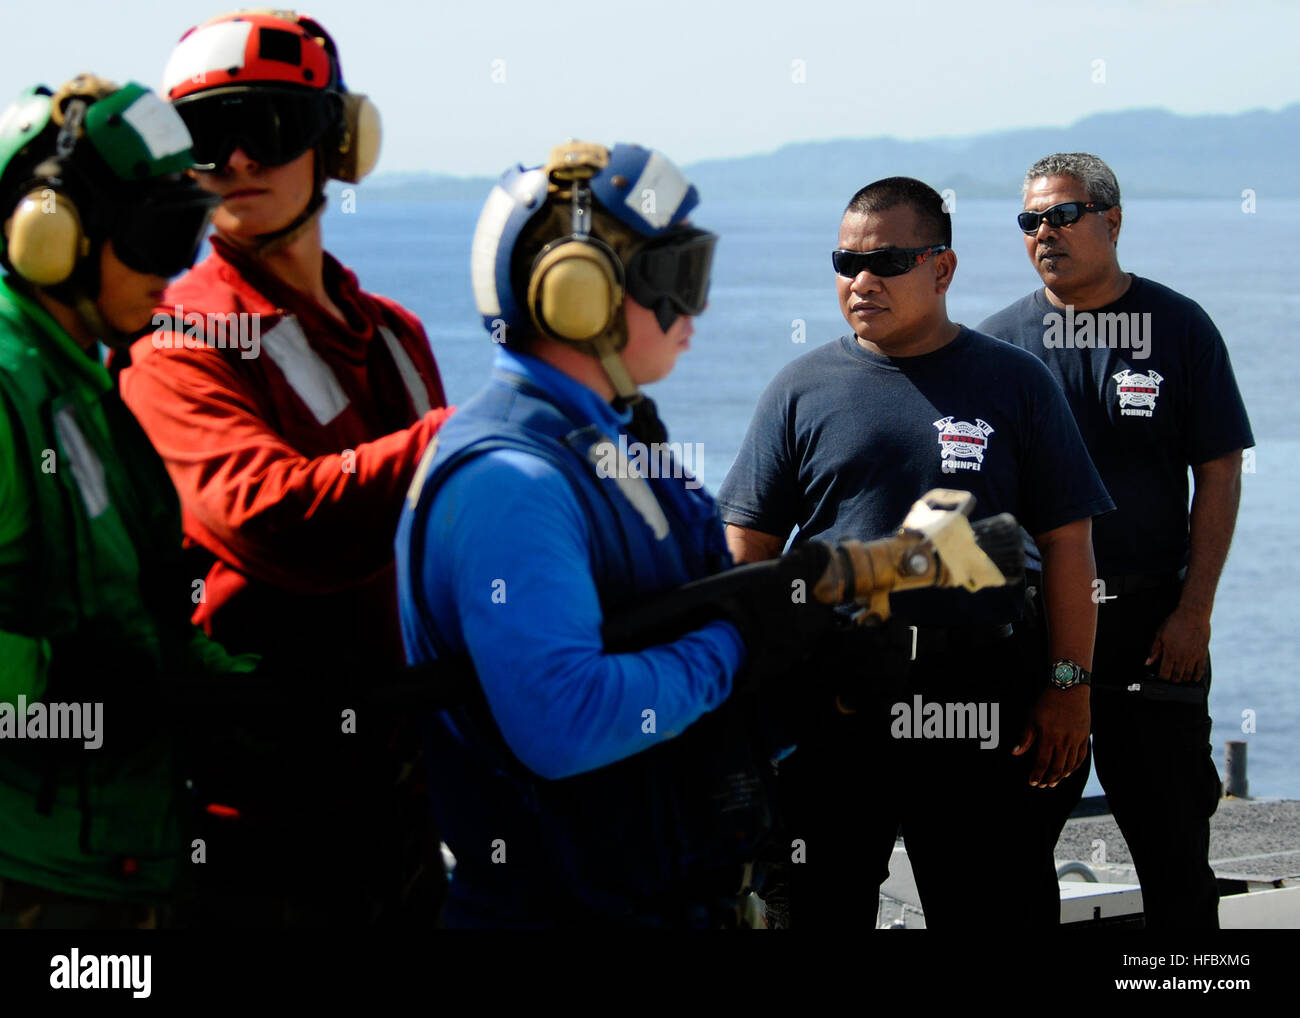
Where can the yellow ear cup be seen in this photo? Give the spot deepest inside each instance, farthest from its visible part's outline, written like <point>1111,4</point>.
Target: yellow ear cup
<point>44,238</point>
<point>362,134</point>
<point>84,86</point>
<point>574,292</point>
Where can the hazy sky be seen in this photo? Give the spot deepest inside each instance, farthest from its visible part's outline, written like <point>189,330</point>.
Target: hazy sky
<point>472,86</point>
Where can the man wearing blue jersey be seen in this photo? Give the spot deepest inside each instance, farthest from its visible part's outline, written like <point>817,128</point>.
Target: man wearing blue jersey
<point>586,787</point>
<point>1149,381</point>
<point>843,440</point>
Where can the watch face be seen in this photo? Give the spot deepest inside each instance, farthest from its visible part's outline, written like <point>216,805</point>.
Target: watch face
<point>1064,672</point>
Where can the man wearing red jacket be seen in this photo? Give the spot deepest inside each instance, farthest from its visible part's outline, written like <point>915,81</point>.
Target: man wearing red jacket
<point>291,409</point>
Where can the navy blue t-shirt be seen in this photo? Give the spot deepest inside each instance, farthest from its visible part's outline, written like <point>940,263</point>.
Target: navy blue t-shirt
<point>844,441</point>
<point>1159,396</point>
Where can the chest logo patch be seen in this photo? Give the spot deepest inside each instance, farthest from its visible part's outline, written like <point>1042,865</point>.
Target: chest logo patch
<point>961,444</point>
<point>1137,393</point>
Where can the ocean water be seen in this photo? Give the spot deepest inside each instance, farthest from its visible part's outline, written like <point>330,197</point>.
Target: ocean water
<point>772,270</point>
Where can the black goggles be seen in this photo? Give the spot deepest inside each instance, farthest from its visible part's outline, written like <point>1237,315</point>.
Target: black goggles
<point>1065,214</point>
<point>271,126</point>
<point>885,261</point>
<point>670,275</point>
<point>159,231</point>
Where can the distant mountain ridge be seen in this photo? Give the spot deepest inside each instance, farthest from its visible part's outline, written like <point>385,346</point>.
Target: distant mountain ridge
<point>1155,154</point>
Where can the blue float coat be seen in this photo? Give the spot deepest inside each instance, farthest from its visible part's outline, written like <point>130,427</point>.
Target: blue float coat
<point>508,579</point>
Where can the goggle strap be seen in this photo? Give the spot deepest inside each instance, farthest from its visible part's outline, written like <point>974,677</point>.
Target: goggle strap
<point>580,210</point>
<point>73,115</point>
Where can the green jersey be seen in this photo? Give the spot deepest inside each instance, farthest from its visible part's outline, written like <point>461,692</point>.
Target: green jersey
<point>94,617</point>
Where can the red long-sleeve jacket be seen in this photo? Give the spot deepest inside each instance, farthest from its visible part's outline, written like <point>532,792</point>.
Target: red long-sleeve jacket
<point>291,438</point>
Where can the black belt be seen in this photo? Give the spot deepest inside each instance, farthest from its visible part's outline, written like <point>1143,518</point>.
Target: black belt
<point>1132,583</point>
<point>1152,688</point>
<point>920,641</point>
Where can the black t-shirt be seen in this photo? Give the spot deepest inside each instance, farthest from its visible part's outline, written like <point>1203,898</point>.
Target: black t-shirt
<point>844,441</point>
<point>1158,396</point>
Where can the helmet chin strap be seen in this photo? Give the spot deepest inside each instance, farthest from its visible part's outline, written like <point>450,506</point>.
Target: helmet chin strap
<point>625,389</point>
<point>96,324</point>
<point>74,293</point>
<point>645,426</point>
<point>88,311</point>
<point>268,243</point>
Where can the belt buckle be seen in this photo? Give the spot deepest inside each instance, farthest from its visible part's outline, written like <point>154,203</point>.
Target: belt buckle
<point>913,629</point>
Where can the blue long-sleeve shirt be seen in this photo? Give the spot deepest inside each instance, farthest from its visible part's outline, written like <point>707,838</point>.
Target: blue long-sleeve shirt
<point>508,578</point>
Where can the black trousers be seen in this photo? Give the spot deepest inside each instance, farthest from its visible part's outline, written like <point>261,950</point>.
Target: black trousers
<point>966,812</point>
<point>331,832</point>
<point>1153,759</point>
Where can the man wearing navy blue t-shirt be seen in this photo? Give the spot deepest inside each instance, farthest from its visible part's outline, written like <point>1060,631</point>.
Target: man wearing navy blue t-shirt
<point>843,441</point>
<point>1151,386</point>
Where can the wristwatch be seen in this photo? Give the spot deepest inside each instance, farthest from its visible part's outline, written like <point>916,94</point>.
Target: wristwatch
<point>1067,674</point>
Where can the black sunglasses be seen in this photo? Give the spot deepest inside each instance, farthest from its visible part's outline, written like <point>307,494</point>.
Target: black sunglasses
<point>272,126</point>
<point>1065,214</point>
<point>886,261</point>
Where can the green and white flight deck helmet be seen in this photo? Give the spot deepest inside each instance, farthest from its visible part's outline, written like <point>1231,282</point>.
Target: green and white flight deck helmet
<point>557,248</point>
<point>88,164</point>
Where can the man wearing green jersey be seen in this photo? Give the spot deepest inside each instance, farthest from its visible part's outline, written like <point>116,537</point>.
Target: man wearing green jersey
<point>94,602</point>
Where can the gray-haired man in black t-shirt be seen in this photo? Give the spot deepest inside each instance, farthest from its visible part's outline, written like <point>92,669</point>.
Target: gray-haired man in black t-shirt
<point>842,442</point>
<point>1150,384</point>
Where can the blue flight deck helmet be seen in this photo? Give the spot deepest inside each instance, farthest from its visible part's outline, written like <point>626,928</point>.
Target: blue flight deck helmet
<point>617,225</point>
